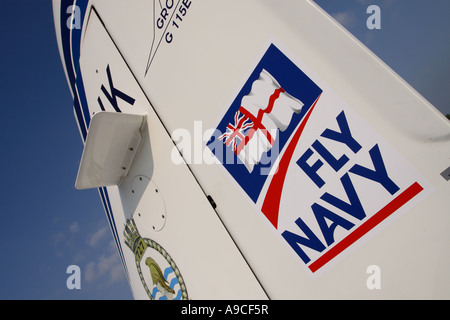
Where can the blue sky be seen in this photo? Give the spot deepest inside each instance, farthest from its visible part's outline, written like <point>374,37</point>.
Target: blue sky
<point>413,40</point>
<point>47,225</point>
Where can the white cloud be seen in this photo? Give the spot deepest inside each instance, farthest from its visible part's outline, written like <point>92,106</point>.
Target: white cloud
<point>345,18</point>
<point>90,273</point>
<point>66,237</point>
<point>107,265</point>
<point>74,227</point>
<point>94,239</point>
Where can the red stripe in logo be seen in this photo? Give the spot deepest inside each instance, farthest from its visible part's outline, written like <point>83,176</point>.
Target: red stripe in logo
<point>373,221</point>
<point>271,205</point>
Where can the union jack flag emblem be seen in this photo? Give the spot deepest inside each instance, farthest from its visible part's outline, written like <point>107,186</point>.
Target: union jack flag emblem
<point>251,138</point>
<point>236,131</point>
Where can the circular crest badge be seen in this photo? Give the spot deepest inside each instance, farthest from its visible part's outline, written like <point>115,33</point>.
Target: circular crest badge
<point>159,274</point>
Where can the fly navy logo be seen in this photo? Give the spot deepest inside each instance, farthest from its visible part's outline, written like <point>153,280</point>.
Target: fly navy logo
<point>159,274</point>
<point>321,176</point>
